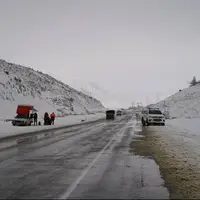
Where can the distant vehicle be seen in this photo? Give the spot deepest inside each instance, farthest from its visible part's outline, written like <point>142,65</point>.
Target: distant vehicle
<point>24,115</point>
<point>123,112</point>
<point>153,116</point>
<point>110,114</point>
<point>166,113</point>
<point>138,115</point>
<point>119,113</point>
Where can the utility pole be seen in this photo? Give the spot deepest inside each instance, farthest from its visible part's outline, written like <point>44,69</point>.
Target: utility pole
<point>158,97</point>
<point>147,101</point>
<point>133,104</point>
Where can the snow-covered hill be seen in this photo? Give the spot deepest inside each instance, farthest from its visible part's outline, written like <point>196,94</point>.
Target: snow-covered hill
<point>22,85</point>
<point>92,89</point>
<point>185,103</point>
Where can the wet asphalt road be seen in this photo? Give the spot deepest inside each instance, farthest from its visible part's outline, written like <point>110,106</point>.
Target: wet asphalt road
<point>87,161</point>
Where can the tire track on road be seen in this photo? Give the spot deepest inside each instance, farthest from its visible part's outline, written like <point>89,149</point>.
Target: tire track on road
<point>20,185</point>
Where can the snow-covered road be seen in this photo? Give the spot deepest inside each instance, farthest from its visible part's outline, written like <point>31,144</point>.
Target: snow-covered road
<point>89,162</point>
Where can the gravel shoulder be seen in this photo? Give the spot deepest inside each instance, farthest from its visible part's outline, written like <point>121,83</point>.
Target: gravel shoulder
<point>176,161</point>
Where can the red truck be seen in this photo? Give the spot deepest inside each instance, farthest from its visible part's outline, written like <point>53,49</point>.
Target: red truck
<point>24,115</point>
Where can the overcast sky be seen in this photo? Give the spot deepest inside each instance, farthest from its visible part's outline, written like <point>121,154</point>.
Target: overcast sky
<point>128,47</point>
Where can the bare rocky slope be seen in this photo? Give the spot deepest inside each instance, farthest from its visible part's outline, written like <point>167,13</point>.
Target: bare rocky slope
<point>23,85</point>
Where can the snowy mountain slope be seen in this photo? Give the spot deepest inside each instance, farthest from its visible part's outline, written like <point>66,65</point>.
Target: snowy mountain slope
<point>185,103</point>
<point>92,89</point>
<point>22,85</point>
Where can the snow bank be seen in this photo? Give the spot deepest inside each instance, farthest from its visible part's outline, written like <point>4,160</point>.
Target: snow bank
<point>185,133</point>
<point>183,104</point>
<point>186,125</point>
<point>8,108</point>
<point>6,128</point>
<point>178,157</point>
<point>181,138</point>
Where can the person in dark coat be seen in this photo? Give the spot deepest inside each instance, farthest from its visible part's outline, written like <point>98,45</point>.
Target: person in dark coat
<point>35,117</point>
<point>49,120</point>
<point>46,118</point>
<point>31,116</point>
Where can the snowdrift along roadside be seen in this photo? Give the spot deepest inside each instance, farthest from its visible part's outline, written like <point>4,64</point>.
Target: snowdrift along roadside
<point>191,126</point>
<point>6,128</point>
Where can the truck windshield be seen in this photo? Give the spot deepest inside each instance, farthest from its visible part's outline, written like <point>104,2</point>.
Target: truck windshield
<point>155,112</point>
<point>20,116</point>
<point>112,112</point>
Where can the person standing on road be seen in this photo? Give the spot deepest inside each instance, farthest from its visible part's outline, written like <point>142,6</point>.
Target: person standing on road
<point>52,118</point>
<point>46,117</point>
<point>35,117</point>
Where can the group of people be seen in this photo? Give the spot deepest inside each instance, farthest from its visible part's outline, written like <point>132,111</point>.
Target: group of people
<point>49,119</point>
<point>34,116</point>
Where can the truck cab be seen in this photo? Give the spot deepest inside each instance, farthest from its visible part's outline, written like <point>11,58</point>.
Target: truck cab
<point>110,114</point>
<point>24,115</point>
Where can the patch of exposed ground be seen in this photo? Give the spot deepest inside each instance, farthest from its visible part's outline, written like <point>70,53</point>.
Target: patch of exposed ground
<point>181,178</point>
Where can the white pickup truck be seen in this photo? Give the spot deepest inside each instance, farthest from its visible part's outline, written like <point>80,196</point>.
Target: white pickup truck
<point>152,116</point>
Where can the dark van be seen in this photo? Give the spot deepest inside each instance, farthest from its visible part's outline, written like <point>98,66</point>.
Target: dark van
<point>110,114</point>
